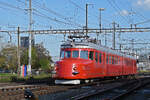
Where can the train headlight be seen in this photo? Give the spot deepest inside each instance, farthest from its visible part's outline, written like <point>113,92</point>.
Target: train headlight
<point>74,69</point>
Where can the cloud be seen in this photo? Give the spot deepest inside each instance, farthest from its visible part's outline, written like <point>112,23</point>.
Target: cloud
<point>143,3</point>
<point>124,13</point>
<point>139,2</point>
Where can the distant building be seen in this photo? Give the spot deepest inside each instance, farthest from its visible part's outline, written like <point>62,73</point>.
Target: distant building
<point>144,62</point>
<point>25,42</point>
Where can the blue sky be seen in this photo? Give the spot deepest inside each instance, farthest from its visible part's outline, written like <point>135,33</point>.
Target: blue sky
<point>45,13</point>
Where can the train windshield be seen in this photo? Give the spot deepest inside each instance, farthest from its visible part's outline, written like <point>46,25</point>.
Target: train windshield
<point>75,54</point>
<point>67,54</point>
<point>84,54</point>
<point>62,54</point>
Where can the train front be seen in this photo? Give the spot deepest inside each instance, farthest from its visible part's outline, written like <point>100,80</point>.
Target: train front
<point>69,70</point>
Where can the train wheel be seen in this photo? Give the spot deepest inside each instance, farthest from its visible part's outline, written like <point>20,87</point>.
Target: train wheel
<point>87,81</point>
<point>91,81</point>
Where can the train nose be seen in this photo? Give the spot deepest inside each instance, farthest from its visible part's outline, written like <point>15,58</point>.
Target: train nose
<point>67,70</point>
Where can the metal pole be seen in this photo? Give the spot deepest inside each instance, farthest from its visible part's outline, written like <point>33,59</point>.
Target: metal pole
<point>100,20</point>
<point>86,19</point>
<point>113,44</point>
<point>105,39</point>
<point>30,37</point>
<point>132,43</point>
<point>18,51</point>
<point>100,25</point>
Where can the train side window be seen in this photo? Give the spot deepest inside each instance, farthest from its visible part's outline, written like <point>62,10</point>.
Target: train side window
<point>67,54</point>
<point>116,60</point>
<point>96,56</point>
<point>107,59</point>
<point>91,55</point>
<point>62,54</point>
<point>84,54</point>
<point>103,57</point>
<point>112,59</point>
<point>75,54</point>
<point>100,58</point>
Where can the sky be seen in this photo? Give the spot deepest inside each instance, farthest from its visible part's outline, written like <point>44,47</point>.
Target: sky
<point>69,14</point>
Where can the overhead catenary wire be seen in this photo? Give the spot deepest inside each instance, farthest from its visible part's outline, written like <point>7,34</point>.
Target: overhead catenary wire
<point>11,6</point>
<point>36,4</point>
<point>83,9</point>
<point>143,22</point>
<point>50,18</point>
<point>118,9</point>
<point>56,14</point>
<point>137,12</point>
<point>23,10</point>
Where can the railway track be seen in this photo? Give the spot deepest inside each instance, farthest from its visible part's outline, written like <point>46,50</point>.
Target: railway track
<point>19,92</point>
<point>15,92</point>
<point>79,89</point>
<point>112,92</point>
<point>58,91</point>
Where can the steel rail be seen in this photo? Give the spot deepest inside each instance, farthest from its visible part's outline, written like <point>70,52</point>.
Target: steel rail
<point>97,91</point>
<point>140,84</point>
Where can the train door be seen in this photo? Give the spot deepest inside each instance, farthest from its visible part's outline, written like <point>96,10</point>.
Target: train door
<point>101,63</point>
<point>104,64</point>
<point>95,65</point>
<point>108,63</point>
<point>123,65</point>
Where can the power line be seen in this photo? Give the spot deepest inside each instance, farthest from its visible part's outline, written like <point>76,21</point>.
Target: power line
<point>138,13</point>
<point>117,8</point>
<point>143,22</point>
<point>52,19</point>
<point>11,6</point>
<point>57,14</point>
<point>41,15</point>
<point>76,5</point>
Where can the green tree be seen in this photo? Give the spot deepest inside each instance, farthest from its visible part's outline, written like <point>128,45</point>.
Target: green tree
<point>8,58</point>
<point>40,57</point>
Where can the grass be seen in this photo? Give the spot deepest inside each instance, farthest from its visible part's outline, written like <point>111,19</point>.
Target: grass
<point>147,71</point>
<point>8,77</point>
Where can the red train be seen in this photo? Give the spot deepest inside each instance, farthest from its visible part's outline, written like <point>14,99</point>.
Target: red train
<point>86,60</point>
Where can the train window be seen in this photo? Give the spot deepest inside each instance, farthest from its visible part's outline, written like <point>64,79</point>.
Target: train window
<point>91,55</point>
<point>84,54</point>
<point>100,58</point>
<point>96,56</point>
<point>75,54</point>
<point>107,59</point>
<point>67,54</point>
<point>113,60</point>
<point>62,54</point>
<point>116,60</point>
<point>103,57</point>
<point>119,60</point>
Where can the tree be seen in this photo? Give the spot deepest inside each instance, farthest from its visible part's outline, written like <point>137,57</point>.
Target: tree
<point>40,57</point>
<point>8,58</point>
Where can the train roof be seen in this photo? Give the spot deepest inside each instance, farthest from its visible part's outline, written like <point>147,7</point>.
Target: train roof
<point>94,45</point>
